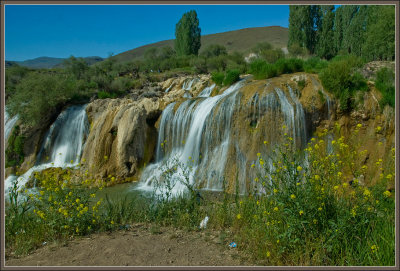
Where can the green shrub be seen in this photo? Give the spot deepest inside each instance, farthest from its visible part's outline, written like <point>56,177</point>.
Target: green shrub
<point>105,95</point>
<point>314,65</point>
<point>14,153</point>
<point>262,70</point>
<point>217,63</point>
<point>340,78</point>
<point>385,79</point>
<point>231,77</point>
<point>213,50</point>
<point>272,55</point>
<point>120,85</point>
<point>218,77</point>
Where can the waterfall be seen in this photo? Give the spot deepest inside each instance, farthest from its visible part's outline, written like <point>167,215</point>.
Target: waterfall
<point>9,124</point>
<point>62,146</point>
<point>207,91</point>
<point>192,137</point>
<point>206,133</point>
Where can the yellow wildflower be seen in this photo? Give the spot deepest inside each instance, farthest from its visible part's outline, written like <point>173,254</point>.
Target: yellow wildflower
<point>299,168</point>
<point>301,212</point>
<point>276,209</point>
<point>292,196</point>
<point>238,216</point>
<point>387,193</point>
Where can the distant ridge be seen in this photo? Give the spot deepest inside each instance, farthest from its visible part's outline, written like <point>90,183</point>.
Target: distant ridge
<point>236,40</point>
<point>45,62</point>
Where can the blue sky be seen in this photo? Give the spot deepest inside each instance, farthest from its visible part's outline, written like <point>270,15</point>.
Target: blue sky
<point>98,30</point>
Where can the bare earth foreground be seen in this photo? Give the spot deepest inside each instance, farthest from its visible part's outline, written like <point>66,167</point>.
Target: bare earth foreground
<point>140,245</point>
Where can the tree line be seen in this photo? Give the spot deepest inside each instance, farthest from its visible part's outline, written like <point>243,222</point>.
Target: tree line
<point>366,31</point>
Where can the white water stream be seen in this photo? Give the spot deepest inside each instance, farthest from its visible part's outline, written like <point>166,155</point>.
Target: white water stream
<point>62,146</point>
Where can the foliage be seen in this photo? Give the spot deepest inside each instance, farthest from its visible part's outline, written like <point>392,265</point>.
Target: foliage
<point>59,208</point>
<point>314,65</point>
<point>339,78</point>
<point>13,76</point>
<point>325,44</point>
<point>213,50</point>
<point>362,30</point>
<point>218,78</point>
<point>14,153</point>
<point>385,80</point>
<point>231,77</point>
<point>322,214</point>
<point>76,66</point>
<point>380,34</point>
<point>40,93</point>
<point>262,69</point>
<point>187,34</point>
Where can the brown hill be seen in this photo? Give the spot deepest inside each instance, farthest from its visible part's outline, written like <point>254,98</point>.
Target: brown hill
<point>237,40</point>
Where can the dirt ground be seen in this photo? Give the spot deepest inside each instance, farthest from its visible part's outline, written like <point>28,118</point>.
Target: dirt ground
<point>140,245</point>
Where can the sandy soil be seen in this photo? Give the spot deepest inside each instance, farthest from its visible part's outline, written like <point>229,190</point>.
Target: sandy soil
<point>140,245</point>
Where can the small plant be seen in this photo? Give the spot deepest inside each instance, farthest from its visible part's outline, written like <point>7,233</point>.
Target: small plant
<point>218,78</point>
<point>231,77</point>
<point>385,84</point>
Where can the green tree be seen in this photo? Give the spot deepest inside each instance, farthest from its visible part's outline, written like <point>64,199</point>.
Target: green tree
<point>380,33</point>
<point>325,46</point>
<point>304,22</point>
<point>187,34</point>
<point>76,66</point>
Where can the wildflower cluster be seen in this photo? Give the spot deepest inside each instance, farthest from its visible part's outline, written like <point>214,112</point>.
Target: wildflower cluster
<point>322,194</point>
<point>64,204</point>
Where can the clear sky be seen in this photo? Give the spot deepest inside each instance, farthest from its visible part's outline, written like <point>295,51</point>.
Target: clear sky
<point>98,30</point>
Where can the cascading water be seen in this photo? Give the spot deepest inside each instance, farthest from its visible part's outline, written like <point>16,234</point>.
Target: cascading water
<point>62,146</point>
<point>9,124</point>
<point>193,139</point>
<point>213,136</point>
<point>206,92</point>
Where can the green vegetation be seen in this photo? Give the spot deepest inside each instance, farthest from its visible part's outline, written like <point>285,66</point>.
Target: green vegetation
<point>231,77</point>
<point>262,69</point>
<point>341,79</point>
<point>363,30</point>
<point>187,33</point>
<point>330,213</point>
<point>15,148</point>
<point>385,80</point>
<point>218,78</point>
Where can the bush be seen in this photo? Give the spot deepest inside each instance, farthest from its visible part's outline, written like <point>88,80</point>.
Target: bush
<point>231,77</point>
<point>217,63</point>
<point>340,78</point>
<point>218,77</point>
<point>105,95</point>
<point>314,65</point>
<point>272,55</point>
<point>14,153</point>
<point>262,70</point>
<point>385,79</point>
<point>213,50</point>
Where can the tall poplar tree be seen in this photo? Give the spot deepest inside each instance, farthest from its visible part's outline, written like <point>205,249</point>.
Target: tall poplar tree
<point>188,34</point>
<point>325,47</point>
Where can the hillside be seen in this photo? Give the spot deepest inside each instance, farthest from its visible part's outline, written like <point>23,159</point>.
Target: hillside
<point>45,62</point>
<point>237,40</point>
